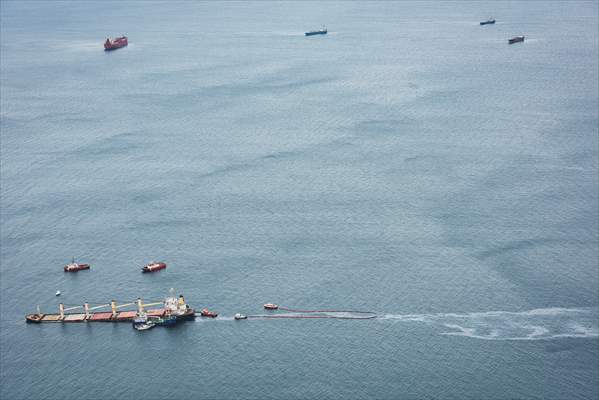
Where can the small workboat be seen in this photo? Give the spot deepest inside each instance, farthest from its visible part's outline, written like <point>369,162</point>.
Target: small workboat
<point>271,306</point>
<point>144,326</point>
<point>153,267</point>
<point>240,316</point>
<point>74,267</point>
<point>321,31</point>
<point>516,39</point>
<point>116,43</point>
<point>490,21</point>
<point>207,313</point>
<point>58,292</point>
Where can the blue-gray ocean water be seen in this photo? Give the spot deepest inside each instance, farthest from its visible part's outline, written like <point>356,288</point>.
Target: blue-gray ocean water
<point>410,162</point>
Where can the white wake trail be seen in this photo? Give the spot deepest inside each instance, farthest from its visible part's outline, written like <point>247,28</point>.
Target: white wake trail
<point>536,324</point>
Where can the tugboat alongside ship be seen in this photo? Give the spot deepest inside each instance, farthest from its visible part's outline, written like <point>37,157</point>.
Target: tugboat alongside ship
<point>145,322</point>
<point>207,313</point>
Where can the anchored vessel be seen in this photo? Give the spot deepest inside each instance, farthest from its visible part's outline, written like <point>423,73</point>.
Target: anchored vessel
<point>516,39</point>
<point>116,43</point>
<point>74,267</point>
<point>321,31</point>
<point>171,309</point>
<point>490,21</point>
<point>153,267</point>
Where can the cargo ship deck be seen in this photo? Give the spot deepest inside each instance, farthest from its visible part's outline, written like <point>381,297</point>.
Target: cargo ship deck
<point>172,306</point>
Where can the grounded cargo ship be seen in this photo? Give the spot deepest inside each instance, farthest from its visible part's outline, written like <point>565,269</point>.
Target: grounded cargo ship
<point>516,39</point>
<point>171,307</point>
<point>490,21</point>
<point>74,267</point>
<point>153,267</point>
<point>322,31</point>
<point>116,43</point>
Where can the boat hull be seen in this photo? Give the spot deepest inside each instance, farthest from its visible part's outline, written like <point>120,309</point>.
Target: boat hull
<point>79,267</point>
<point>153,268</point>
<point>143,326</point>
<point>315,33</point>
<point>517,39</point>
<point>114,47</point>
<point>488,22</point>
<point>116,43</point>
<point>208,313</point>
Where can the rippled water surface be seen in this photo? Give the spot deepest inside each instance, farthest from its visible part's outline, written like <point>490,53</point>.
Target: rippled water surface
<point>410,163</point>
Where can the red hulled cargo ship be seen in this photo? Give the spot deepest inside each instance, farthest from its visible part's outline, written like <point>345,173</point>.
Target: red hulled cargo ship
<point>173,306</point>
<point>116,43</point>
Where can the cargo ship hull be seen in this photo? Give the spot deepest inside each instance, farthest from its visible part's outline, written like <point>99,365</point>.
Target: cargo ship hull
<point>123,316</point>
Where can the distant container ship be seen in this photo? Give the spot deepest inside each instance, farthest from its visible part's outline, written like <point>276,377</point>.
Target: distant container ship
<point>116,43</point>
<point>153,267</point>
<point>321,31</point>
<point>490,21</point>
<point>516,39</point>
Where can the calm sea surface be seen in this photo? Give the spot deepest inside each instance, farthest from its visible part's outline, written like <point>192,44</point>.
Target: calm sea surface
<point>410,162</point>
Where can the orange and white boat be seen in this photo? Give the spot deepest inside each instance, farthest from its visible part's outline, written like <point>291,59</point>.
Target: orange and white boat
<point>207,313</point>
<point>153,267</point>
<point>74,267</point>
<point>271,306</point>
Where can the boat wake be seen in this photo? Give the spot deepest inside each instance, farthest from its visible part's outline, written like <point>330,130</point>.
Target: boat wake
<point>537,324</point>
<point>77,45</point>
